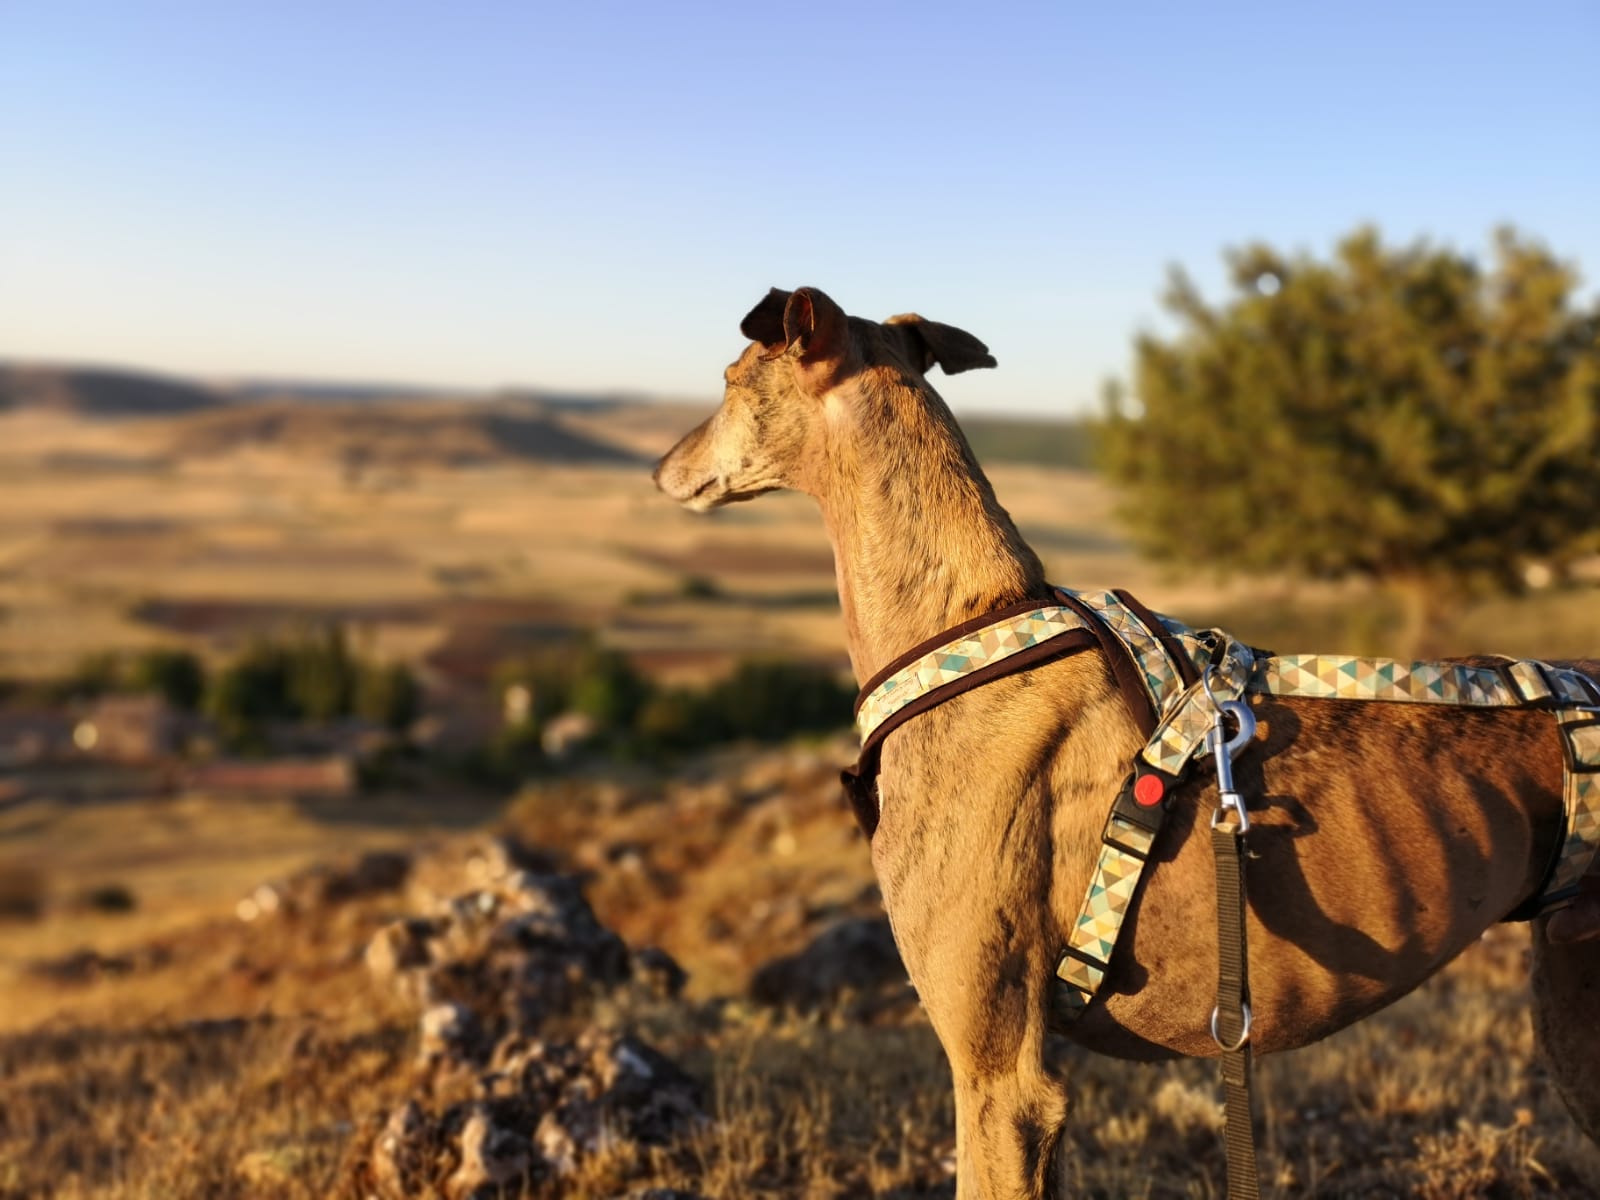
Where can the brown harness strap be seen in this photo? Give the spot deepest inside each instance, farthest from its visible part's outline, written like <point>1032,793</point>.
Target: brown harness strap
<point>1119,662</point>
<point>1179,656</point>
<point>860,780</point>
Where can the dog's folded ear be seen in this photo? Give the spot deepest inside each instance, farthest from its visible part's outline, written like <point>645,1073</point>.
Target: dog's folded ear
<point>764,322</point>
<point>805,322</point>
<point>955,350</point>
<point>814,326</point>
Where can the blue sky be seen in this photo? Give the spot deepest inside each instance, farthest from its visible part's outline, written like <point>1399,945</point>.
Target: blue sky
<point>590,195</point>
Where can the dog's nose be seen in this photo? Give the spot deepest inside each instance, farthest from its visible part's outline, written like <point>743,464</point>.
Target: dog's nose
<point>655,476</point>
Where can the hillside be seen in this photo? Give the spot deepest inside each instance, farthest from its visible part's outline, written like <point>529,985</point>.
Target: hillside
<point>395,433</point>
<point>694,960</point>
<point>96,392</point>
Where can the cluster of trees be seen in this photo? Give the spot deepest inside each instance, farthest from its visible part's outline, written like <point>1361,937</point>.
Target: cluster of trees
<point>760,700</point>
<point>1398,413</point>
<point>314,676</point>
<point>308,676</point>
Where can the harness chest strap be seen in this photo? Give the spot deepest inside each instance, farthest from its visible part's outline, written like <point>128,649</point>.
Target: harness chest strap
<point>1000,643</point>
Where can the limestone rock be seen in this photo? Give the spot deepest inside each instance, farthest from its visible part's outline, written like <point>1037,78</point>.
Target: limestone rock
<point>856,956</point>
<point>494,1161</point>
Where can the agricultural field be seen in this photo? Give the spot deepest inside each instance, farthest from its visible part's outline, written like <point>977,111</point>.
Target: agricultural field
<point>213,996</point>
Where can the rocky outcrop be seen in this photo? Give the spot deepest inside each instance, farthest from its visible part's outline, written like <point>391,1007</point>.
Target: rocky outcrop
<point>311,892</point>
<point>522,947</point>
<point>853,963</point>
<point>508,1096</point>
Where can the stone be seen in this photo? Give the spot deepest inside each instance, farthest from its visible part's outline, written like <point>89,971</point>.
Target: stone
<point>615,1088</point>
<point>397,947</point>
<point>659,972</point>
<point>448,1031</point>
<point>494,1160</point>
<point>512,1104</point>
<point>856,955</point>
<point>397,1155</point>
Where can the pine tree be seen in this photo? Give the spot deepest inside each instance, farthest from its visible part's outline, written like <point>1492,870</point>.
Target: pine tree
<point>1398,414</point>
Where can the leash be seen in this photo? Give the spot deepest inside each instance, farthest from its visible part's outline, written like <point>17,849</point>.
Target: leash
<point>1230,1019</point>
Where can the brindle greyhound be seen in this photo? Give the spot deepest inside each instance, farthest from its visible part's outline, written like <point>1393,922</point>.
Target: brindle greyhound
<point>1385,837</point>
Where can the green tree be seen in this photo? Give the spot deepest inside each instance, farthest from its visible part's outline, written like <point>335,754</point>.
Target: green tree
<point>581,676</point>
<point>388,695</point>
<point>177,676</point>
<point>249,692</point>
<point>93,675</point>
<point>766,699</point>
<point>680,719</point>
<point>1397,413</point>
<point>322,674</point>
<point>606,686</point>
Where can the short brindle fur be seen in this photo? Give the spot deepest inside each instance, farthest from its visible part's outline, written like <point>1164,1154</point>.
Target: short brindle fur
<point>1385,837</point>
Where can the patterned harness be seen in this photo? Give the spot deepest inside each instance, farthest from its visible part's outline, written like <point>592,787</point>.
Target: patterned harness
<point>1174,678</point>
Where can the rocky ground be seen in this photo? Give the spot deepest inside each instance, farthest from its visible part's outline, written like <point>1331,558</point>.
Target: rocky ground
<point>670,986</point>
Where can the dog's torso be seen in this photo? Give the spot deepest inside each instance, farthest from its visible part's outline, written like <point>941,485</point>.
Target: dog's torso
<point>1385,838</point>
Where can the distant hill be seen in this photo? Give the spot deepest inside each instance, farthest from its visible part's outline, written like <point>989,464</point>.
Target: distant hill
<point>395,434</point>
<point>98,392</point>
<point>359,425</point>
<point>390,424</point>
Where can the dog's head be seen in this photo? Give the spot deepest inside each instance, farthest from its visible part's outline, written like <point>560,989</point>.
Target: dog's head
<point>786,394</point>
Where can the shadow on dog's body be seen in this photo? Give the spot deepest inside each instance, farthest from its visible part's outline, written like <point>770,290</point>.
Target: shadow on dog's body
<point>1384,837</point>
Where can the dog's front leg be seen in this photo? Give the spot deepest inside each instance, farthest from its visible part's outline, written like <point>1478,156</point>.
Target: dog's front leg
<point>1007,1127</point>
<point>986,992</point>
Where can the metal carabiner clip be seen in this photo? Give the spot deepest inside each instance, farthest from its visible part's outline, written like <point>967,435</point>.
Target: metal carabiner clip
<point>1217,737</point>
<point>1225,749</point>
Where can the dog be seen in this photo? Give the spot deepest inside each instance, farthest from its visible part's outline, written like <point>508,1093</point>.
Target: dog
<point>1385,838</point>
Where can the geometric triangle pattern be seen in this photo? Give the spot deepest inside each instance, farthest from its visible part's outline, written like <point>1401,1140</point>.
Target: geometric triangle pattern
<point>1345,677</point>
<point>1161,678</point>
<point>1183,731</point>
<point>1579,851</point>
<point>956,659</point>
<point>1111,890</point>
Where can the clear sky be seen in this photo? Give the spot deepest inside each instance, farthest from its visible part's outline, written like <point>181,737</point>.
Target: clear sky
<point>589,195</point>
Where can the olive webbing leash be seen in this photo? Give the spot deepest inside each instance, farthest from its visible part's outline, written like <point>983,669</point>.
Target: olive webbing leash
<point>1230,1019</point>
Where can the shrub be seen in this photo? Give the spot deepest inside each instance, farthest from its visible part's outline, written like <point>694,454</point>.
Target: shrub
<point>763,699</point>
<point>177,676</point>
<point>584,677</point>
<point>108,898</point>
<point>22,892</point>
<point>388,695</point>
<point>700,587</point>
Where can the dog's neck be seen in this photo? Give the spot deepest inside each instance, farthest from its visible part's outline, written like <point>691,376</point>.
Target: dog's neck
<point>919,541</point>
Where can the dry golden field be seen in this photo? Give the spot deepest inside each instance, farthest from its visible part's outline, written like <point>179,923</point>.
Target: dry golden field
<point>178,1050</point>
<point>119,533</point>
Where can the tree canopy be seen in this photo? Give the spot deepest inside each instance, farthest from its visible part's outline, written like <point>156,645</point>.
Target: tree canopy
<point>1399,413</point>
